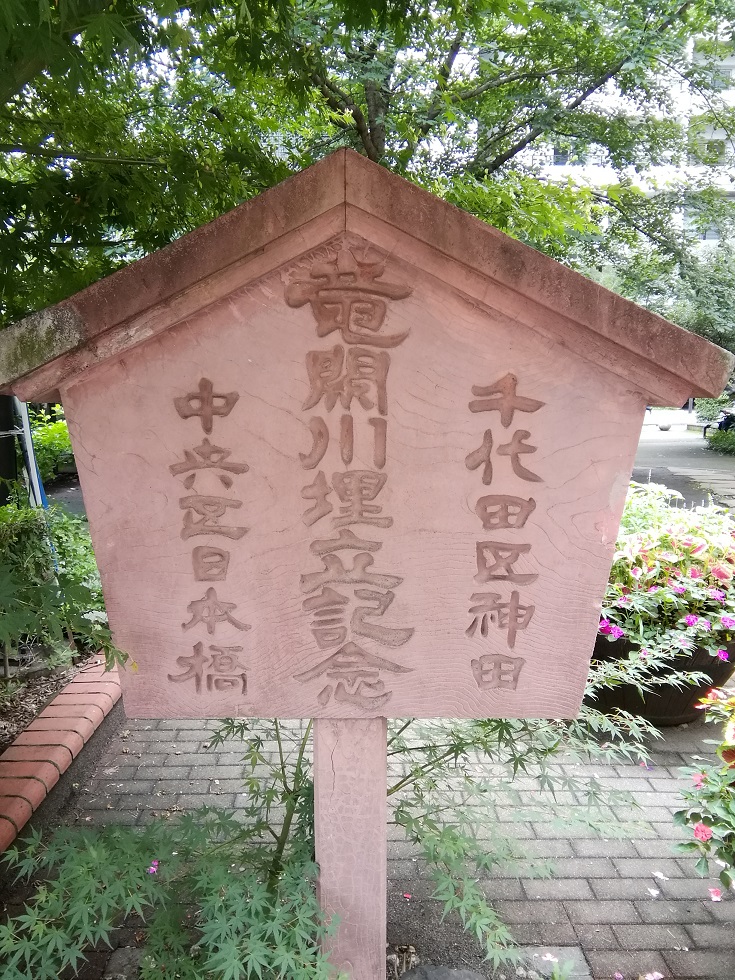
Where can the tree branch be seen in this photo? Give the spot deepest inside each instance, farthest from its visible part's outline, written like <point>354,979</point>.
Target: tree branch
<point>51,154</point>
<point>338,100</point>
<point>593,87</point>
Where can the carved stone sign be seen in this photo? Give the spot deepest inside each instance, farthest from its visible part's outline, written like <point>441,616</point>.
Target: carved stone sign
<point>344,492</point>
<point>349,453</point>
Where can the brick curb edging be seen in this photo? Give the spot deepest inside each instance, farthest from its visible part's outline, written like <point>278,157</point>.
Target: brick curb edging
<point>32,765</point>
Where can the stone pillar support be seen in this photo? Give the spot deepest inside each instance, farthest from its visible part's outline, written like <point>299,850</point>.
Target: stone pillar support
<point>351,840</point>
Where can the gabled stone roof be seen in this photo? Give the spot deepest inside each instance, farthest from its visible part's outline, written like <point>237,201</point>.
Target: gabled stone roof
<point>346,193</point>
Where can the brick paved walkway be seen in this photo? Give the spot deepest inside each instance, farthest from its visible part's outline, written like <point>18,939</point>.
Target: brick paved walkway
<point>601,897</point>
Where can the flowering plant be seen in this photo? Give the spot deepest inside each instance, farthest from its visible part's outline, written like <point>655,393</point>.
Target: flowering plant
<point>672,582</point>
<point>710,798</point>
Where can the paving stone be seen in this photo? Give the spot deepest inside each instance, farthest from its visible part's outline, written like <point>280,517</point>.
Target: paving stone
<point>713,936</point>
<point>117,817</point>
<point>685,888</point>
<point>507,888</point>
<point>558,888</point>
<point>544,934</point>
<point>663,910</point>
<point>596,937</point>
<point>547,960</point>
<point>584,868</point>
<point>651,936</point>
<point>722,911</point>
<point>183,759</point>
<point>643,868</point>
<point>440,973</point>
<point>605,963</point>
<point>174,786</point>
<point>554,831</point>
<point>655,848</point>
<point>623,888</point>
<point>191,802</point>
<point>215,771</point>
<point>603,847</point>
<point>547,849</point>
<point>701,964</point>
<point>524,912</point>
<point>601,912</point>
<point>101,802</point>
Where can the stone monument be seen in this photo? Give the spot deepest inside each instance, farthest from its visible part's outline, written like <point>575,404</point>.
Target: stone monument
<point>349,453</point>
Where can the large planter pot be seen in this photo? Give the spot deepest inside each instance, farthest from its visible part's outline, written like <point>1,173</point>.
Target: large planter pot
<point>667,705</point>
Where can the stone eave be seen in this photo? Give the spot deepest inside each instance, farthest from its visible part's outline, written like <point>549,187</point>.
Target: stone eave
<point>347,193</point>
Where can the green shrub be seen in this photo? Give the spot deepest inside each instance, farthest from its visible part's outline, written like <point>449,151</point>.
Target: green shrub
<point>708,409</point>
<point>51,444</point>
<point>722,442</point>
<point>50,591</point>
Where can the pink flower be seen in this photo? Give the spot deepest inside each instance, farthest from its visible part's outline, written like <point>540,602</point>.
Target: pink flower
<point>717,594</point>
<point>618,975</point>
<point>705,624</point>
<point>728,622</point>
<point>645,765</point>
<point>604,626</point>
<point>679,589</point>
<point>636,572</point>
<point>723,654</point>
<point>698,779</point>
<point>153,868</point>
<point>691,620</point>
<point>702,832</point>
<point>616,632</point>
<point>715,894</point>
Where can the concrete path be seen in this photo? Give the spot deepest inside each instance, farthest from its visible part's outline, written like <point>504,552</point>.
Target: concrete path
<point>679,459</point>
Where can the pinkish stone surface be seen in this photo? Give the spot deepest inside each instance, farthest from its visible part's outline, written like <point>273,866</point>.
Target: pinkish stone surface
<point>414,514</point>
<point>351,847</point>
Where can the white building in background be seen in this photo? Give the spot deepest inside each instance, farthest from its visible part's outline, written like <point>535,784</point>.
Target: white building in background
<point>712,158</point>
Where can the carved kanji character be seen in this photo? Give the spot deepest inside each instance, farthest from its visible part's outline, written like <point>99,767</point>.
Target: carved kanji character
<point>358,677</point>
<point>206,457</point>
<point>210,509</point>
<point>318,491</point>
<point>355,489</point>
<point>496,671</point>
<point>500,511</point>
<point>384,635</point>
<point>380,440</point>
<point>515,448</point>
<point>346,294</point>
<point>503,557</point>
<point>328,609</point>
<point>205,404</point>
<point>506,402</point>
<point>320,444</point>
<point>482,457</point>
<point>365,371</point>
<point>210,611</point>
<point>335,571</point>
<point>194,668</point>
<point>224,667</point>
<point>346,540</point>
<point>511,615</point>
<point>210,564</point>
